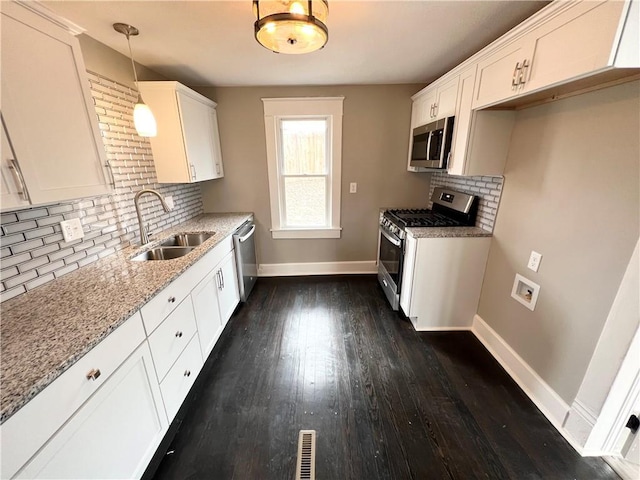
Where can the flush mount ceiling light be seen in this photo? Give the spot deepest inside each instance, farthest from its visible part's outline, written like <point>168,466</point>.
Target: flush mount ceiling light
<point>291,26</point>
<point>143,118</point>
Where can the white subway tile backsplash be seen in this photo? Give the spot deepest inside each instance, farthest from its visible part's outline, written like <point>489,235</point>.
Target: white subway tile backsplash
<point>33,250</point>
<point>488,189</point>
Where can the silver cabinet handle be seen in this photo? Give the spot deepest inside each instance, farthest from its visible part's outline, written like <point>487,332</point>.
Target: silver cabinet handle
<point>515,79</point>
<point>93,374</point>
<point>193,171</point>
<point>222,278</point>
<point>110,170</point>
<point>18,178</point>
<point>178,334</point>
<point>187,373</point>
<point>435,110</point>
<point>523,73</point>
<point>219,280</point>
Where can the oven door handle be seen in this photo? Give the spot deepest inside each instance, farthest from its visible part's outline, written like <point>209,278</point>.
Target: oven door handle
<point>396,241</point>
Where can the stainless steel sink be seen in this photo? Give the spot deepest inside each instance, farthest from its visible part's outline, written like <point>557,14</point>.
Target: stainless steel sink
<point>187,240</point>
<point>162,253</point>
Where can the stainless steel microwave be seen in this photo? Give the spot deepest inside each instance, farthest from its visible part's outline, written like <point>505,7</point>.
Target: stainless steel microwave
<point>431,144</point>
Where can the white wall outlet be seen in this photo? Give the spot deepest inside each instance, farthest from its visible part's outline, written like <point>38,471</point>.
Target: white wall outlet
<point>169,201</point>
<point>72,229</point>
<point>353,187</point>
<point>534,261</point>
<point>525,291</point>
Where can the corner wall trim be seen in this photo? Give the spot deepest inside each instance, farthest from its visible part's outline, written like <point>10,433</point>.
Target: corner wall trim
<point>540,393</point>
<point>318,268</point>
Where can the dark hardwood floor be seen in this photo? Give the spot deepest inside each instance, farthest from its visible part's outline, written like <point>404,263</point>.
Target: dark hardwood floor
<point>327,353</point>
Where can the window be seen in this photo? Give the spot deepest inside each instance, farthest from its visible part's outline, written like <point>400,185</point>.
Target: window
<point>304,150</point>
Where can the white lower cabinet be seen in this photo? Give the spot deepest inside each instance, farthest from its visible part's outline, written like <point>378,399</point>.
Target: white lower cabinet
<point>106,415</point>
<point>113,435</point>
<point>441,281</point>
<point>205,306</point>
<point>228,295</point>
<point>180,378</point>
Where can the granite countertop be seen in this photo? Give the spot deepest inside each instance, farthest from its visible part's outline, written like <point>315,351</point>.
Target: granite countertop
<point>447,232</point>
<point>48,329</point>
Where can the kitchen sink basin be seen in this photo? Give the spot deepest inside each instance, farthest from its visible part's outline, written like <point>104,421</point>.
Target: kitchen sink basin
<point>162,253</point>
<point>187,240</point>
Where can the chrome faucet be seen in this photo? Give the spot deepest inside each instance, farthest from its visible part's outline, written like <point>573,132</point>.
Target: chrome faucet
<point>144,238</point>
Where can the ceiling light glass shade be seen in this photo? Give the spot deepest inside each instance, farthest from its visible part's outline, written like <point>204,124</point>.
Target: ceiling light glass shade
<point>291,26</point>
<point>144,120</point>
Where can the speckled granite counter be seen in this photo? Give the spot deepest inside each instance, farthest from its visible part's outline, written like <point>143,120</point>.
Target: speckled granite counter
<point>447,232</point>
<point>45,331</point>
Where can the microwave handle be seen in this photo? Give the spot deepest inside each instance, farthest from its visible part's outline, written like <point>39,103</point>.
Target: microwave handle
<point>397,242</point>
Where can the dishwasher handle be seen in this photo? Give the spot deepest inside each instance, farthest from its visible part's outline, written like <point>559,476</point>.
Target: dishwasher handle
<point>244,238</point>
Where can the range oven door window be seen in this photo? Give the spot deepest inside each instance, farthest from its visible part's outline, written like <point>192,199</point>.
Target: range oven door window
<point>391,257</point>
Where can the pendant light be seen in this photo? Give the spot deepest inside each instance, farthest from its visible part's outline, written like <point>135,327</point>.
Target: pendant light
<point>291,26</point>
<point>143,118</point>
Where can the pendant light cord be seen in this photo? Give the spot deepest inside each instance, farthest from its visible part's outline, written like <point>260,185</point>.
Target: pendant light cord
<point>133,65</point>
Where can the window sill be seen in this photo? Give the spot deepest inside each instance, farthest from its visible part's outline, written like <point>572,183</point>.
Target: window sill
<point>306,233</point>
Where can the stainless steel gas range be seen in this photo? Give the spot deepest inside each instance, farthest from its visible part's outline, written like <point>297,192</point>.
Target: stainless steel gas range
<point>450,209</point>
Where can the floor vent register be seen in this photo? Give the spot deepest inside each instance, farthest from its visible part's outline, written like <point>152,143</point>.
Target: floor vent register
<point>306,464</point>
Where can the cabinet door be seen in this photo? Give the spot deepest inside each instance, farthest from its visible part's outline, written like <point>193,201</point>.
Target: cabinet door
<point>577,42</point>
<point>462,124</point>
<point>422,110</point>
<point>180,379</point>
<point>217,150</point>
<point>48,110</point>
<point>114,434</point>
<point>196,128</point>
<point>228,294</point>
<point>446,99</point>
<point>497,73</point>
<point>205,305</point>
<point>12,191</point>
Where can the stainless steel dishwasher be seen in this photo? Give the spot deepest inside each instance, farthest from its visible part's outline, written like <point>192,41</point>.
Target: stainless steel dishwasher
<point>245,248</point>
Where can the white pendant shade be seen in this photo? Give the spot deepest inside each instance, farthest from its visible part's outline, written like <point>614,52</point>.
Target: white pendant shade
<point>144,120</point>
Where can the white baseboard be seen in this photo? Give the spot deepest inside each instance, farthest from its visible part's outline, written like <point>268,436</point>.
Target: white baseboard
<point>540,393</point>
<point>319,268</point>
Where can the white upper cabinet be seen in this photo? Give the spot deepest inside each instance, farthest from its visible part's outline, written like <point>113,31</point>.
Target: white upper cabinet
<point>481,138</point>
<point>48,112</point>
<point>571,41</point>
<point>434,102</point>
<point>187,147</point>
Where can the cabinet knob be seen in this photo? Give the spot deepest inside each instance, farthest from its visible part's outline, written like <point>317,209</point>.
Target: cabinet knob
<point>93,374</point>
<point>187,373</point>
<point>178,334</point>
<point>172,299</point>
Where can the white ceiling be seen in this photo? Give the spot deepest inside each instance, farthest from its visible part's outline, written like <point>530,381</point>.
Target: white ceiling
<point>370,42</point>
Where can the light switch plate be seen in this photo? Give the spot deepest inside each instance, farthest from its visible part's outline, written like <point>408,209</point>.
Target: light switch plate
<point>534,261</point>
<point>353,187</point>
<point>72,229</point>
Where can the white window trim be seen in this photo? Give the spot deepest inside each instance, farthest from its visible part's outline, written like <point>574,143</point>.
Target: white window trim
<point>276,108</point>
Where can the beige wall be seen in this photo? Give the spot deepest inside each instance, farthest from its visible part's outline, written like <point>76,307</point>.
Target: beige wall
<point>376,125</point>
<point>106,61</point>
<point>571,192</point>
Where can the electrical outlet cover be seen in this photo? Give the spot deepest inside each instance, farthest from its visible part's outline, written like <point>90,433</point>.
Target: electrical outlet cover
<point>72,229</point>
<point>353,187</point>
<point>534,261</point>
<point>169,201</point>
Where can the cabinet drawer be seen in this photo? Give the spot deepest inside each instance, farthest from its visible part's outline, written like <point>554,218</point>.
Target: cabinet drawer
<point>165,302</point>
<point>172,336</point>
<point>178,382</point>
<point>45,413</point>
